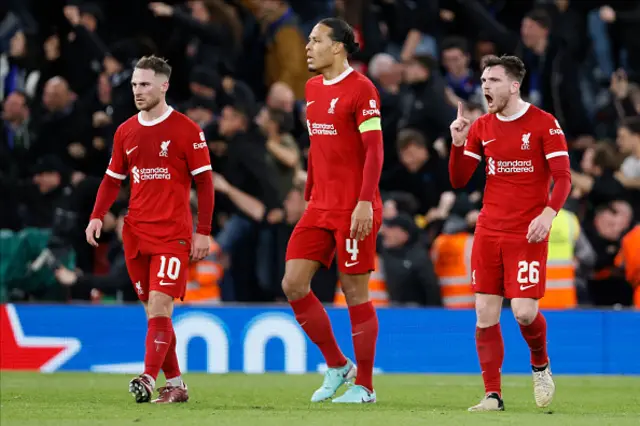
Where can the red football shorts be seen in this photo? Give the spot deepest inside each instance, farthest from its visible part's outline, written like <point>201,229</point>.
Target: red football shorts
<point>152,268</point>
<point>508,266</point>
<point>320,233</point>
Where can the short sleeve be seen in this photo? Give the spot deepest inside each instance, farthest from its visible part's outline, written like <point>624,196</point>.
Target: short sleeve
<point>197,151</point>
<point>473,144</point>
<point>367,109</point>
<point>554,142</point>
<point>118,167</point>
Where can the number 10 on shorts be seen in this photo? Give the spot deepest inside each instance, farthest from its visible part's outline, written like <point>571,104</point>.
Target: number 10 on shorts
<point>172,269</point>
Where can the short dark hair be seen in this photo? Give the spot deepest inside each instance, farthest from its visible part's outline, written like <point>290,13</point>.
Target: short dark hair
<point>541,17</point>
<point>156,64</point>
<point>455,42</point>
<point>605,156</point>
<point>632,124</point>
<point>407,137</point>
<point>342,33</point>
<point>283,119</point>
<point>513,66</point>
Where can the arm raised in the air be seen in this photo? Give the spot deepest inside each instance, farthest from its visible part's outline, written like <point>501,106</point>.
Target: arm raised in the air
<point>465,151</point>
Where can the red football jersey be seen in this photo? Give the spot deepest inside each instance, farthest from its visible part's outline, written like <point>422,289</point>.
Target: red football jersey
<point>335,110</point>
<point>516,151</point>
<point>161,156</point>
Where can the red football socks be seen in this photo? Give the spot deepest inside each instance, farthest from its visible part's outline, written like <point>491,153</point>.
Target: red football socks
<point>314,320</point>
<point>159,338</point>
<point>536,336</point>
<point>364,332</point>
<point>490,349</point>
<point>170,365</point>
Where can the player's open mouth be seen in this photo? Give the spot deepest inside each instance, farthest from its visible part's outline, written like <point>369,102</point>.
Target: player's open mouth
<point>489,98</point>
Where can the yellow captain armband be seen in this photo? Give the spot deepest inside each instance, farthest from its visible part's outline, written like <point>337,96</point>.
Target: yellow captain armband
<point>373,123</point>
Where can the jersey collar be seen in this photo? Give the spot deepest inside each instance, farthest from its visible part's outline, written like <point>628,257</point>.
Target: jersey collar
<point>516,115</point>
<point>157,120</point>
<point>339,78</point>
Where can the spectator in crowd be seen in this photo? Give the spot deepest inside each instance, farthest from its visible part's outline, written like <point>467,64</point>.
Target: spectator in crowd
<point>409,274</point>
<point>597,182</point>
<point>285,59</point>
<point>421,171</point>
<point>425,107</point>
<point>456,60</point>
<point>17,135</point>
<point>115,283</point>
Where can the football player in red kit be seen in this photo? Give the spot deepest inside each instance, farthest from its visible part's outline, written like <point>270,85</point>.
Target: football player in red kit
<point>161,150</point>
<point>523,147</point>
<point>344,210</point>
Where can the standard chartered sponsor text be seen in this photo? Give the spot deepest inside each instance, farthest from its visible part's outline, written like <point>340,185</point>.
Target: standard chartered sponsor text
<point>155,173</point>
<point>323,129</point>
<point>515,166</point>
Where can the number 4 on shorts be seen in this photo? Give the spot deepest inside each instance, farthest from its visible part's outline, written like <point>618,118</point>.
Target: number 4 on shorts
<point>352,248</point>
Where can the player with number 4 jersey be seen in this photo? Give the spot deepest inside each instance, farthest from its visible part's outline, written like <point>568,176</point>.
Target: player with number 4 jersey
<point>161,151</point>
<point>524,149</point>
<point>344,210</point>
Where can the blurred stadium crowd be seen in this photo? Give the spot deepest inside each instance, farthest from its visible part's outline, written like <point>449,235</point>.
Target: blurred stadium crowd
<point>239,71</point>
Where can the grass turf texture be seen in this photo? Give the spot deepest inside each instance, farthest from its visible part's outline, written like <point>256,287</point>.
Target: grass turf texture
<point>273,399</point>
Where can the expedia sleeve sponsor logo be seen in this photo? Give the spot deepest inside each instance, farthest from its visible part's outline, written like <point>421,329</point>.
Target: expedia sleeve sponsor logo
<point>199,145</point>
<point>556,132</point>
<point>322,129</point>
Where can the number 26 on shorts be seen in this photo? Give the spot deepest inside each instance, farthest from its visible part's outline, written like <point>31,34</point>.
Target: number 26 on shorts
<point>528,273</point>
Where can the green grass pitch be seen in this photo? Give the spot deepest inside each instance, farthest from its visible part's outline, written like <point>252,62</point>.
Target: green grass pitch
<point>32,399</point>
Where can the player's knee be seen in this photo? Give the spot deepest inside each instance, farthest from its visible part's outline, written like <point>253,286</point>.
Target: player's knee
<point>524,311</point>
<point>356,291</point>
<point>159,305</point>
<point>488,309</point>
<point>294,287</point>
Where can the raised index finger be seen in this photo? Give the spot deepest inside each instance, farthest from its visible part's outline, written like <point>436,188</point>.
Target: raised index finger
<point>460,110</point>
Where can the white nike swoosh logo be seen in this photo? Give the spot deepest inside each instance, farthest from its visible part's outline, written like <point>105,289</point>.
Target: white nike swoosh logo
<point>129,151</point>
<point>158,342</point>
<point>355,334</point>
<point>487,142</point>
<point>310,102</point>
<point>349,265</point>
<point>523,287</point>
<point>164,283</point>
